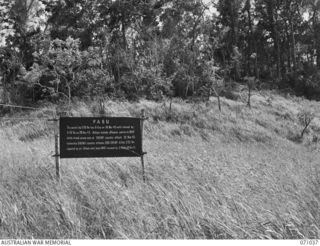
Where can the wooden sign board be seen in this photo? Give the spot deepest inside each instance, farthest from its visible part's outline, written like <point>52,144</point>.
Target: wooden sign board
<point>83,137</point>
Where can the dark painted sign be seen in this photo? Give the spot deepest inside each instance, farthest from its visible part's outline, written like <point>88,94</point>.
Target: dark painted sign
<point>82,137</point>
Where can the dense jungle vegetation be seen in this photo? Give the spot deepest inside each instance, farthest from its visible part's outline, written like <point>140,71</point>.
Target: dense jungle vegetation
<point>130,49</point>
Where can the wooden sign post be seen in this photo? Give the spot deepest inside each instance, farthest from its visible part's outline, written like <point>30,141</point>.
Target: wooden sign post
<point>56,145</point>
<point>91,137</point>
<point>143,153</point>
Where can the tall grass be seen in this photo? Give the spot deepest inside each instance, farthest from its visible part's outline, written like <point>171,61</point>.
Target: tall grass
<point>209,175</point>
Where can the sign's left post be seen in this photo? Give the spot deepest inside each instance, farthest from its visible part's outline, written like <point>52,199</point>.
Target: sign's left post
<point>56,147</point>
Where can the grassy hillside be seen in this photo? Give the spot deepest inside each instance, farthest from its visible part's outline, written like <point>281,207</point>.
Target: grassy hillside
<point>242,173</point>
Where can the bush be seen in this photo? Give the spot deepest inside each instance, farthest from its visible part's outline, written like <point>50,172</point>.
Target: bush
<point>304,82</point>
<point>184,83</point>
<point>93,82</point>
<point>305,117</point>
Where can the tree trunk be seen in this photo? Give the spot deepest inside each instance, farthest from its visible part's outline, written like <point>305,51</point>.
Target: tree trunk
<point>250,32</point>
<point>234,21</point>
<point>316,29</point>
<point>277,50</point>
<point>282,62</point>
<point>275,35</point>
<point>5,91</point>
<point>124,39</point>
<point>288,49</point>
<point>249,96</point>
<point>293,45</point>
<point>317,43</point>
<point>289,55</point>
<point>318,57</point>
<point>219,103</point>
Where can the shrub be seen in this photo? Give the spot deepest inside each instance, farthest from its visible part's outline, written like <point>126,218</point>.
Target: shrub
<point>93,82</point>
<point>304,82</point>
<point>148,80</point>
<point>305,117</point>
<point>184,83</point>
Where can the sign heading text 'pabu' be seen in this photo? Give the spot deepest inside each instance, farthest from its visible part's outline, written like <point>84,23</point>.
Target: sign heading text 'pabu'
<point>82,137</point>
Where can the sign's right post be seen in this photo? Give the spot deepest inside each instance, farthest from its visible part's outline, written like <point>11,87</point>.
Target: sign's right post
<point>143,153</point>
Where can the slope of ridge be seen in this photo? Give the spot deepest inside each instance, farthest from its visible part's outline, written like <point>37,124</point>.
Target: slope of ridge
<point>239,173</point>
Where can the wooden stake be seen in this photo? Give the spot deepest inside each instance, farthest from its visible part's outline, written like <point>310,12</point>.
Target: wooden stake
<point>142,156</point>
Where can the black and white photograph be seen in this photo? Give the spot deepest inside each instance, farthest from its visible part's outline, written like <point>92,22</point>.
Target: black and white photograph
<point>185,120</point>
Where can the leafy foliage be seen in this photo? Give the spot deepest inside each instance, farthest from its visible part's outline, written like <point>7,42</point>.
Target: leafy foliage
<point>161,48</point>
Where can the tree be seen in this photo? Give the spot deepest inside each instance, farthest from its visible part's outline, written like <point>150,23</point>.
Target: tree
<point>182,28</point>
<point>215,82</point>
<point>312,10</point>
<point>27,18</point>
<point>251,81</point>
<point>62,58</point>
<point>9,68</point>
<point>305,118</point>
